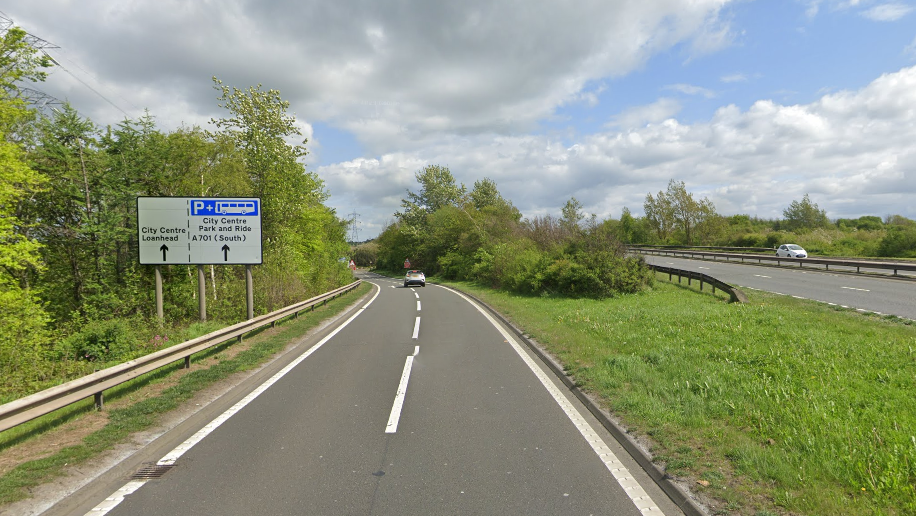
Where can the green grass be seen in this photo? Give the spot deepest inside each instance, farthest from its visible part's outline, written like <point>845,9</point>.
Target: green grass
<point>781,405</point>
<point>16,484</point>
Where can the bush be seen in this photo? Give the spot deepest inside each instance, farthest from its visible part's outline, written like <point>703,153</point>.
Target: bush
<point>101,341</point>
<point>900,242</point>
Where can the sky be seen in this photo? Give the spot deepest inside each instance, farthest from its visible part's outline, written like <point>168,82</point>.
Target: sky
<point>751,103</point>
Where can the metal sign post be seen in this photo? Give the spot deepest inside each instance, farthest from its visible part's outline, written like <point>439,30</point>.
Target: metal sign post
<point>199,231</point>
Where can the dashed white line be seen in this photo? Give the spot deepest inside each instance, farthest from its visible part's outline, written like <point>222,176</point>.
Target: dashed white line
<point>762,276</point>
<point>416,329</point>
<point>418,305</point>
<point>398,406</point>
<point>857,289</point>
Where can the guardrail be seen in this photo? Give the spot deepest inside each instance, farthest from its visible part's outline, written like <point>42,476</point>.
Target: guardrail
<point>736,295</point>
<point>36,405</point>
<point>711,247</point>
<point>826,262</point>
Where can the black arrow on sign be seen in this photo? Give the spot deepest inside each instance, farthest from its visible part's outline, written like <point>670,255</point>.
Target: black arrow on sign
<point>225,252</point>
<point>164,250</point>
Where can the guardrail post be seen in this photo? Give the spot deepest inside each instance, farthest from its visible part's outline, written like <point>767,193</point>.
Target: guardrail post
<point>187,362</point>
<point>99,400</point>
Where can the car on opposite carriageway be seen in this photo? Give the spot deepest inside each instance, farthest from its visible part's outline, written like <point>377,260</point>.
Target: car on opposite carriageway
<point>791,251</point>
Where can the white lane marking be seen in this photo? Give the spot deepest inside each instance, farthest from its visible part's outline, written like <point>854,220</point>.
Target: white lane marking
<point>707,268</point>
<point>170,458</point>
<point>416,350</point>
<point>392,426</point>
<point>117,497</point>
<point>630,485</point>
<point>416,295</point>
<point>416,329</point>
<point>761,276</point>
<point>418,305</point>
<point>857,289</point>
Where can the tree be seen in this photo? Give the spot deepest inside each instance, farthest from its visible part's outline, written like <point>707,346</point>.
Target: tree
<point>660,215</point>
<point>437,190</point>
<point>485,194</point>
<point>23,321</point>
<point>572,216</point>
<point>804,215</point>
<point>677,209</point>
<point>259,127</point>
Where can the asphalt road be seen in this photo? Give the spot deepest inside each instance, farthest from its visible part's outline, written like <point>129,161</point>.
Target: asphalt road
<point>881,295</point>
<point>391,416</point>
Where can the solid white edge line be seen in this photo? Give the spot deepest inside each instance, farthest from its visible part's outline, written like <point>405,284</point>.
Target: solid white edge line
<point>170,458</point>
<point>630,485</point>
<point>392,426</point>
<point>416,329</point>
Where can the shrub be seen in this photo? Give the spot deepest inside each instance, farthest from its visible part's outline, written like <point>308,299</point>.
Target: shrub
<point>101,341</point>
<point>900,242</point>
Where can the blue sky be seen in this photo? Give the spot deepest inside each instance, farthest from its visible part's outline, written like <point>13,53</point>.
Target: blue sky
<point>752,103</point>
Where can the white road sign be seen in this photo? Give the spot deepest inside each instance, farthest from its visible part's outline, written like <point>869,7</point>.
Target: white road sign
<point>199,230</point>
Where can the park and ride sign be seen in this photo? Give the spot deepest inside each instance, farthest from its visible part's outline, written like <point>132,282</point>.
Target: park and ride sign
<point>199,230</point>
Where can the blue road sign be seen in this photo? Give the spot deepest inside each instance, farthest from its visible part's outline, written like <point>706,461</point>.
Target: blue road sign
<point>245,207</point>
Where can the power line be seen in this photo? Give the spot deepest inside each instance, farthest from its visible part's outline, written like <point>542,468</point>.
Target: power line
<point>354,226</point>
<point>6,23</point>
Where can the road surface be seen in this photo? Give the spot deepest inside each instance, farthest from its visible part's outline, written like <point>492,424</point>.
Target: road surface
<point>418,404</point>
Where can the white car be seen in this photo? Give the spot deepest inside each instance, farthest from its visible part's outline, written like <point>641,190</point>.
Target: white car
<point>791,251</point>
<point>414,278</point>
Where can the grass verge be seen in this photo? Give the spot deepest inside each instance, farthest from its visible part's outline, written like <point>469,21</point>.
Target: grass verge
<point>778,406</point>
<point>134,417</point>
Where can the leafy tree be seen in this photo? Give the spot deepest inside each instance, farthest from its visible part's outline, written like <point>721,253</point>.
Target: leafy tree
<point>23,321</point>
<point>660,215</point>
<point>804,215</point>
<point>485,194</point>
<point>304,239</point>
<point>677,209</point>
<point>437,190</point>
<point>572,216</point>
<point>259,127</point>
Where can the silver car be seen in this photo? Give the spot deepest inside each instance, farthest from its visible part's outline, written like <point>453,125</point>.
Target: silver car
<point>414,278</point>
<point>791,251</point>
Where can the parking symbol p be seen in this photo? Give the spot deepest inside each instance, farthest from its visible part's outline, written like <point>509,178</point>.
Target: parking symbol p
<point>196,206</point>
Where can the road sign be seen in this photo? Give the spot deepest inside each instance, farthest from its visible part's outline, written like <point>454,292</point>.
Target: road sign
<point>199,230</point>
<point>406,264</point>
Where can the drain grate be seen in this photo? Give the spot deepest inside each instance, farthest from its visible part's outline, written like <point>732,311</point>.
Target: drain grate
<point>152,471</point>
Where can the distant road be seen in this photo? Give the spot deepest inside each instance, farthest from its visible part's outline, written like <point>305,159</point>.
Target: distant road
<point>419,406</point>
<point>886,296</point>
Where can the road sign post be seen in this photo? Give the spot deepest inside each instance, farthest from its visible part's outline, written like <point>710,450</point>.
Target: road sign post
<point>200,231</point>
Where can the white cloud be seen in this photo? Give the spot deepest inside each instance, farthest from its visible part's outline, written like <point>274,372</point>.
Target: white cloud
<point>887,12</point>
<point>910,49</point>
<point>452,66</point>
<point>851,150</point>
<point>689,89</point>
<point>638,116</point>
<point>734,77</point>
